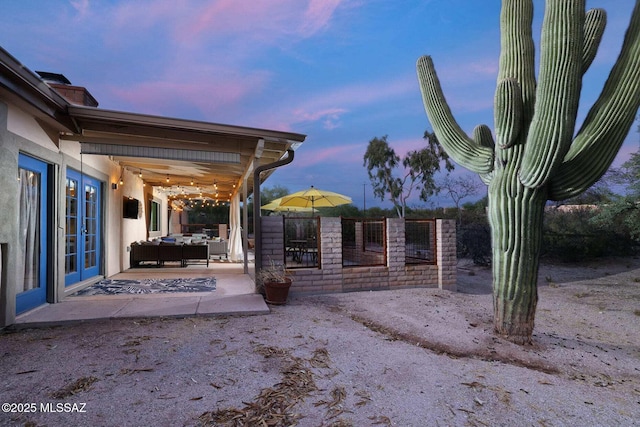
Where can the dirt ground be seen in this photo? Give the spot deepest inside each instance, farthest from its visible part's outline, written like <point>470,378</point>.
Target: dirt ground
<point>419,357</point>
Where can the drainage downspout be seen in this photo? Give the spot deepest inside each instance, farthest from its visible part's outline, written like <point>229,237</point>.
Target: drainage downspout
<point>257,220</point>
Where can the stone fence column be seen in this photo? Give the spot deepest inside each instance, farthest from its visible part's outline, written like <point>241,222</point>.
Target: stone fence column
<point>396,251</point>
<point>272,239</point>
<point>446,253</point>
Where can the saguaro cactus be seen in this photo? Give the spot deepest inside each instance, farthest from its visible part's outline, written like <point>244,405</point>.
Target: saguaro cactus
<point>536,156</point>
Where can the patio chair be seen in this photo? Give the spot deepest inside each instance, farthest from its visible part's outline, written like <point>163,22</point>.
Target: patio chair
<point>312,249</point>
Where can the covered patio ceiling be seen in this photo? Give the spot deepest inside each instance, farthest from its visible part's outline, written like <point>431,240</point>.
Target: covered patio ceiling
<point>188,159</point>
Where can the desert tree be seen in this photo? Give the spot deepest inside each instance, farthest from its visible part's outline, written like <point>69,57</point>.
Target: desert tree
<point>268,194</point>
<point>537,155</point>
<point>418,170</point>
<point>459,188</point>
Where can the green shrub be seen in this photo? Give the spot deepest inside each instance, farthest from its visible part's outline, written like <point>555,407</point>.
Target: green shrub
<point>572,235</point>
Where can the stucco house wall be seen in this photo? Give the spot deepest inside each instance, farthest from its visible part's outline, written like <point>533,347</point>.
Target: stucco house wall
<point>21,133</point>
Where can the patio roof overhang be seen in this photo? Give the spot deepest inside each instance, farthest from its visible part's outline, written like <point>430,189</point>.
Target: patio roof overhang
<point>189,159</point>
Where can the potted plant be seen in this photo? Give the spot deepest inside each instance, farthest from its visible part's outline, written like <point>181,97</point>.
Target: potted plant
<point>275,283</point>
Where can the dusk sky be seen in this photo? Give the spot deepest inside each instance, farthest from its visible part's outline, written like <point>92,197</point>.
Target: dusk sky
<point>339,71</point>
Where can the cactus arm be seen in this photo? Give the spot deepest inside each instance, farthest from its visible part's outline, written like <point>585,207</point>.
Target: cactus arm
<point>594,24</point>
<point>516,72</point>
<point>557,94</point>
<point>459,146</point>
<point>482,135</point>
<point>607,123</point>
<point>517,52</point>
<point>508,112</point>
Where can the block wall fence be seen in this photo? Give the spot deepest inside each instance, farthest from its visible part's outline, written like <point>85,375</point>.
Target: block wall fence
<point>332,277</point>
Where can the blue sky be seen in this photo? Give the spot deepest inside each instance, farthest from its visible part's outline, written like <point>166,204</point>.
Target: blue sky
<point>339,71</point>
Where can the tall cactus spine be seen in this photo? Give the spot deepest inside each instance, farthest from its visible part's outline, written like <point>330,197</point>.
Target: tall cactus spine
<point>535,156</point>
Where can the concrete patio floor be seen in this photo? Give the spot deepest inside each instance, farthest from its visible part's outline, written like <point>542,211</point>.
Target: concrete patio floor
<point>234,295</point>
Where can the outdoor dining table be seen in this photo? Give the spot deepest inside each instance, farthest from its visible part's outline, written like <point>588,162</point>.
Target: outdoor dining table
<point>299,247</point>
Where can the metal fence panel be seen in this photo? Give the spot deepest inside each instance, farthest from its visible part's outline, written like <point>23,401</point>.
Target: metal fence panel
<point>302,242</point>
<point>420,241</point>
<point>364,242</point>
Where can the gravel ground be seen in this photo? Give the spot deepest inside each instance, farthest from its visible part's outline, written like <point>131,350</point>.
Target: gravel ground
<point>413,357</point>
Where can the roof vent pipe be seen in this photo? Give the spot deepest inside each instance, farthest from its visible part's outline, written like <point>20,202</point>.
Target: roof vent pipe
<point>257,220</point>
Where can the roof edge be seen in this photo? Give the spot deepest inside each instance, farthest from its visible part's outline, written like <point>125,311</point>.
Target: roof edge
<point>123,117</point>
<point>22,85</point>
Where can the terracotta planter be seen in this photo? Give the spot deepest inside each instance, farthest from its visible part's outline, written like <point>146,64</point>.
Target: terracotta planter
<point>277,292</point>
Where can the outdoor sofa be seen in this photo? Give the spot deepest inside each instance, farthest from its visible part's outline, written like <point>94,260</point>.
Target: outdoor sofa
<point>161,252</point>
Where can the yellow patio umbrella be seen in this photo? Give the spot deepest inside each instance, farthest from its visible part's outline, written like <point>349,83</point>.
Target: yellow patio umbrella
<point>314,198</point>
<point>274,205</point>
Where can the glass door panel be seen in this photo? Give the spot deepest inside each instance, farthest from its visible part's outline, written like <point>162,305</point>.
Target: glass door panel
<point>31,290</point>
<point>91,227</point>
<point>72,274</point>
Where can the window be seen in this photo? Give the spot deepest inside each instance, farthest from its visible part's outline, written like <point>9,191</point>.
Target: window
<point>154,212</point>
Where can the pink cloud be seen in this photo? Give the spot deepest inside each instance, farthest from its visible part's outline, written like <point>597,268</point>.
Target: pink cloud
<point>263,22</point>
<point>317,16</point>
<point>329,106</point>
<point>346,154</point>
<point>211,96</point>
<point>142,15</point>
<point>330,117</point>
<point>81,6</point>
<point>487,69</point>
<point>403,146</point>
<point>467,73</point>
<point>349,154</point>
